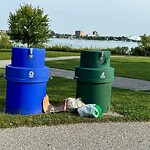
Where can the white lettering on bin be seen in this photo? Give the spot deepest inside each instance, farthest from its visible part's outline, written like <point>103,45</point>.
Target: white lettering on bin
<point>102,76</point>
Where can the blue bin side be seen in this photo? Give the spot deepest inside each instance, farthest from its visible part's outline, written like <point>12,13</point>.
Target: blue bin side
<point>27,78</point>
<point>26,89</point>
<point>24,57</point>
<point>25,98</point>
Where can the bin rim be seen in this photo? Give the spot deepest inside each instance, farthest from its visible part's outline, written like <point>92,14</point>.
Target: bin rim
<point>27,75</point>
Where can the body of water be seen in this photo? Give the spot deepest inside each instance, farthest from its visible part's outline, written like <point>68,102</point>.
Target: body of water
<point>80,43</point>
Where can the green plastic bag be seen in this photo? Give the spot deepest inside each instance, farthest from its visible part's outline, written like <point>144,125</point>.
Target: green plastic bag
<point>90,110</point>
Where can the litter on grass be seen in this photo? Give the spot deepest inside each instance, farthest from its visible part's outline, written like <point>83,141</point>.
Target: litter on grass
<point>72,104</point>
<point>90,110</point>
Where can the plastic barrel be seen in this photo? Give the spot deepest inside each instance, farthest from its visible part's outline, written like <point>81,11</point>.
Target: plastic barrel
<point>94,78</point>
<point>26,81</point>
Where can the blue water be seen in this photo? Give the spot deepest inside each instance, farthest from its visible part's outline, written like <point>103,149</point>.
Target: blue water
<point>78,43</point>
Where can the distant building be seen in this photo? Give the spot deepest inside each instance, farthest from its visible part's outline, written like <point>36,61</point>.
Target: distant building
<point>79,34</point>
<point>135,38</point>
<point>90,35</point>
<point>95,33</point>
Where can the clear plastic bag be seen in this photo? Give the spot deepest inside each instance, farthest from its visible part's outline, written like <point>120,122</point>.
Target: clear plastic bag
<point>90,110</point>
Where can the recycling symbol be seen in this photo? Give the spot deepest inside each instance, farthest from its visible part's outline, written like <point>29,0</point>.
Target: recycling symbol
<point>31,74</point>
<point>102,76</point>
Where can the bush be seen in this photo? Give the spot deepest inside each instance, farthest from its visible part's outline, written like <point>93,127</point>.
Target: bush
<point>139,51</point>
<point>147,51</point>
<point>117,50</point>
<point>4,42</point>
<point>63,49</point>
<point>120,50</point>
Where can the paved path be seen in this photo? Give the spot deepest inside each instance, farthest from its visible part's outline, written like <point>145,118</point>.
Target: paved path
<point>93,136</point>
<point>62,58</point>
<point>119,82</point>
<point>3,63</point>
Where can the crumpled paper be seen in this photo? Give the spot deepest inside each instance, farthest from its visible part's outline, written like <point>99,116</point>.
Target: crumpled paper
<point>68,104</point>
<point>73,103</point>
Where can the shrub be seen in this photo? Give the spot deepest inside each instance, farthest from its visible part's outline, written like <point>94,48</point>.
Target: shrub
<point>119,50</point>
<point>5,42</point>
<point>139,51</point>
<point>62,49</point>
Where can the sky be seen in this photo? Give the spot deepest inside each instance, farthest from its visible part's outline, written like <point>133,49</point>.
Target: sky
<point>107,17</point>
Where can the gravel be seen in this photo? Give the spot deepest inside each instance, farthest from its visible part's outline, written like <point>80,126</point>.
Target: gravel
<point>93,136</point>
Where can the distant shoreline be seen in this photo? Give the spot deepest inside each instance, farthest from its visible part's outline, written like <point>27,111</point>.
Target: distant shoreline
<point>84,43</point>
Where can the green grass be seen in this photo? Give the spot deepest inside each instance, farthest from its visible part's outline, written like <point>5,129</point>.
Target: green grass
<point>2,71</point>
<point>63,64</point>
<point>131,67</point>
<point>135,106</point>
<point>59,54</point>
<point>4,55</point>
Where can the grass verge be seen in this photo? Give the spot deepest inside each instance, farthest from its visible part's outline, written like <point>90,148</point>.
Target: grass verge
<point>2,71</point>
<point>4,55</point>
<point>135,106</point>
<point>130,67</point>
<point>63,64</point>
<point>60,54</point>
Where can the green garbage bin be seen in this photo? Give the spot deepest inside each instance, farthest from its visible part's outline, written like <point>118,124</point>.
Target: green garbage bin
<point>94,78</point>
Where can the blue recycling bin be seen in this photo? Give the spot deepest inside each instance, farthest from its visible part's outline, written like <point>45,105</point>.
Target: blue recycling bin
<point>27,78</point>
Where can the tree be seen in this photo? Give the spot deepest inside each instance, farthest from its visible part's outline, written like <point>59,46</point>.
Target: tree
<point>145,41</point>
<point>145,45</point>
<point>29,25</point>
<point>4,41</point>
